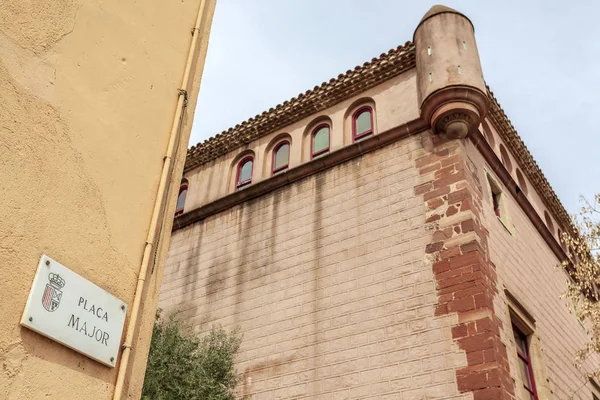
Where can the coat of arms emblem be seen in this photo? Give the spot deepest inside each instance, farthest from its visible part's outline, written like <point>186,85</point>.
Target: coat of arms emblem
<point>53,293</point>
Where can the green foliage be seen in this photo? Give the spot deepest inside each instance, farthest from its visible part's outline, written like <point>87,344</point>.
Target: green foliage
<point>187,366</point>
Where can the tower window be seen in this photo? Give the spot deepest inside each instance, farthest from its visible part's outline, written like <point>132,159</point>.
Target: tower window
<point>244,172</point>
<point>496,197</point>
<point>183,189</point>
<point>499,203</point>
<point>362,123</point>
<point>487,132</point>
<point>281,157</point>
<point>549,223</point>
<point>561,239</point>
<point>522,182</point>
<point>505,158</point>
<point>524,361</point>
<point>496,203</point>
<point>320,140</point>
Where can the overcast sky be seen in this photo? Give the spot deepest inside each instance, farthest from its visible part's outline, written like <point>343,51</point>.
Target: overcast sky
<point>540,58</point>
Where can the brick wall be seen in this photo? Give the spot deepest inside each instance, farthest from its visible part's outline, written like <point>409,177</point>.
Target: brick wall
<point>526,267</point>
<point>381,277</point>
<point>467,283</point>
<point>330,283</point>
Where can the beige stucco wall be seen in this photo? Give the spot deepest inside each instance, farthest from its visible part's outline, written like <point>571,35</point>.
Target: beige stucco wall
<point>88,93</point>
<point>328,280</point>
<point>526,267</point>
<point>394,103</point>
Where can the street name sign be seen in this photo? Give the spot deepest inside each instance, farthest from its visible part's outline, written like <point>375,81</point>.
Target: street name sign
<point>75,312</point>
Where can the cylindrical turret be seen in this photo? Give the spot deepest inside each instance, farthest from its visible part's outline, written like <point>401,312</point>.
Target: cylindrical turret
<point>450,85</point>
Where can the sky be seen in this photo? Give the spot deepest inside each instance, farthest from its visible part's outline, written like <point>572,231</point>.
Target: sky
<point>540,58</point>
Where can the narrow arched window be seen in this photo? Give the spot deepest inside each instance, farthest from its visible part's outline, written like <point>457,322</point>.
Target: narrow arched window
<point>244,172</point>
<point>362,123</point>
<point>549,223</point>
<point>183,189</point>
<point>320,140</point>
<point>281,157</point>
<point>505,158</point>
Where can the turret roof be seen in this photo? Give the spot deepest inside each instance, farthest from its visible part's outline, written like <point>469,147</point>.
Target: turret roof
<point>438,9</point>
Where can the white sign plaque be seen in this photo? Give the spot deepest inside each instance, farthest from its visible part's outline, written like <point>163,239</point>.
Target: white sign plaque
<point>75,312</point>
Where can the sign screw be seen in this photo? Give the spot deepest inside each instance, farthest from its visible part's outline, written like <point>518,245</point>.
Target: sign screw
<point>30,319</point>
<point>123,307</point>
<point>48,262</point>
<point>112,359</point>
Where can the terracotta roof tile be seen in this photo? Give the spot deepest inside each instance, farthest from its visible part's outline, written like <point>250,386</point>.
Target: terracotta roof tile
<point>520,152</point>
<point>386,66</point>
<point>361,78</point>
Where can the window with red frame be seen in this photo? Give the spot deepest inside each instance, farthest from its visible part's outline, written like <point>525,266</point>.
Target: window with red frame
<point>320,140</point>
<point>496,203</point>
<point>362,123</point>
<point>281,157</point>
<point>183,189</point>
<point>525,369</point>
<point>244,172</point>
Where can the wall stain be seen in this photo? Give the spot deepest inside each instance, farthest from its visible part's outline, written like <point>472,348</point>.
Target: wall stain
<point>319,181</point>
<point>192,275</point>
<point>243,219</point>
<point>271,367</point>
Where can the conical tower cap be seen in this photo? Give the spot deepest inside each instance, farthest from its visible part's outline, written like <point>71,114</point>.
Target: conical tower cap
<point>440,9</point>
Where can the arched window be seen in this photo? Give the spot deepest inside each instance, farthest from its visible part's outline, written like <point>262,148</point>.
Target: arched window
<point>549,223</point>
<point>505,158</point>
<point>244,172</point>
<point>561,240</point>
<point>522,182</point>
<point>183,189</point>
<point>362,123</point>
<point>320,140</point>
<point>281,157</point>
<point>487,132</point>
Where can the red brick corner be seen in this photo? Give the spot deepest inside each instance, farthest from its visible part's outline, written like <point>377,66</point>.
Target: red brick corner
<point>466,279</point>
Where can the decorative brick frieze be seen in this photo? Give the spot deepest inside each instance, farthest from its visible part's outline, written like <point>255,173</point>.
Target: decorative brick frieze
<point>466,279</point>
<point>362,77</point>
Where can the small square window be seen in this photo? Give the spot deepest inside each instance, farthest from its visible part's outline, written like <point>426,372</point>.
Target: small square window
<point>499,203</point>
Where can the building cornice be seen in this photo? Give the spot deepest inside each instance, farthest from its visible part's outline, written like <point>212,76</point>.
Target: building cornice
<point>386,66</point>
<point>361,78</point>
<point>524,158</point>
<point>303,170</point>
<point>512,187</point>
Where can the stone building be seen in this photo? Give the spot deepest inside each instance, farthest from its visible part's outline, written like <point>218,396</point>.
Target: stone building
<point>386,235</point>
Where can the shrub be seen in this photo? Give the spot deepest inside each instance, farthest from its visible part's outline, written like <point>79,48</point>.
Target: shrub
<point>186,366</point>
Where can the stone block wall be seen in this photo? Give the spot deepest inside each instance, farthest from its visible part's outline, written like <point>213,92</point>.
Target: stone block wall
<point>527,269</point>
<point>466,279</point>
<point>388,276</point>
<point>330,283</point>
